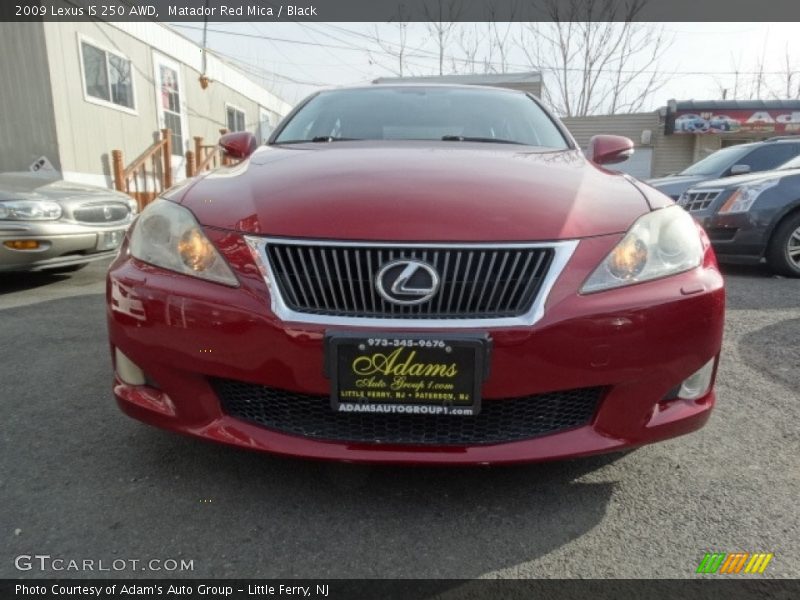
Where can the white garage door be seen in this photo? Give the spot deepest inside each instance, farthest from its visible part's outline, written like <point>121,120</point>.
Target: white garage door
<point>639,165</point>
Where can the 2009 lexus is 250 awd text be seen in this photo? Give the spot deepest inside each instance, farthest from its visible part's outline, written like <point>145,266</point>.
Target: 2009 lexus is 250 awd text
<point>418,274</point>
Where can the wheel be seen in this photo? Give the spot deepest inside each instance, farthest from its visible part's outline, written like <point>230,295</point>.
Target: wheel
<point>783,253</point>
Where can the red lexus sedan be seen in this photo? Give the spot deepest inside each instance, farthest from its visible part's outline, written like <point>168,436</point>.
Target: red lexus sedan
<point>418,274</point>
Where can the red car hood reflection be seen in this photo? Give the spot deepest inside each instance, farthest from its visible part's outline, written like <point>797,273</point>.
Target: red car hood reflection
<point>416,191</point>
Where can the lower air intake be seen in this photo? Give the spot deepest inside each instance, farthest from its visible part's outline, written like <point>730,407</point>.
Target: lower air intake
<point>507,420</point>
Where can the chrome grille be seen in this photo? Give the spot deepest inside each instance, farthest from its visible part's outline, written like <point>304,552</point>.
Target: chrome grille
<point>695,201</point>
<point>105,212</point>
<point>479,282</point>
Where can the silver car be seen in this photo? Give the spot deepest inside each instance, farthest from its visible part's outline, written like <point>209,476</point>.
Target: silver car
<point>53,224</point>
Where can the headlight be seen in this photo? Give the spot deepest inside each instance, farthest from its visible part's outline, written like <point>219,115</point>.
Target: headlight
<point>742,199</point>
<point>30,210</point>
<point>168,236</point>
<point>660,243</point>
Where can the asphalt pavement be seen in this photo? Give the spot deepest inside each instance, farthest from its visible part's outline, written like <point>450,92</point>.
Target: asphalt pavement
<point>81,481</point>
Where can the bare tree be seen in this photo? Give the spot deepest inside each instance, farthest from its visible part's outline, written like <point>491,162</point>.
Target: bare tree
<point>595,57</point>
<point>760,83</point>
<point>790,86</point>
<point>398,50</point>
<point>759,79</point>
<point>500,40</point>
<point>469,42</point>
<point>441,22</point>
<point>484,47</point>
<point>734,92</point>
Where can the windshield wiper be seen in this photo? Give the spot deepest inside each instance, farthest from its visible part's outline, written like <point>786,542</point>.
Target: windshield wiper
<point>329,138</point>
<point>464,138</point>
<point>318,139</point>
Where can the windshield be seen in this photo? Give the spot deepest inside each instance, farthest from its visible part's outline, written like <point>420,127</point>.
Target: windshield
<point>717,162</point>
<point>791,164</point>
<point>423,113</point>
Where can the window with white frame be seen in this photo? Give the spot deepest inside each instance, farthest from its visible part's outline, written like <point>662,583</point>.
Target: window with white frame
<point>171,105</point>
<point>235,119</point>
<point>107,76</point>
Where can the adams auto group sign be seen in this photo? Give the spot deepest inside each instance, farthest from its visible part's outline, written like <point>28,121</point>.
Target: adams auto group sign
<point>734,121</point>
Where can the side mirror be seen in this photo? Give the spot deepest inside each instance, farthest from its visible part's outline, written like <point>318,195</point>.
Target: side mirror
<point>740,169</point>
<point>610,149</point>
<point>239,144</point>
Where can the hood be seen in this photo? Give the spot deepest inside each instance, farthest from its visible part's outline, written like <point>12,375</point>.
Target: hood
<point>675,185</point>
<point>23,186</point>
<point>416,191</point>
<point>737,180</point>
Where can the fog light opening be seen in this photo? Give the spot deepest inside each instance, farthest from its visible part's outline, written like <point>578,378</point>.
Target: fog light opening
<point>698,383</point>
<point>128,371</point>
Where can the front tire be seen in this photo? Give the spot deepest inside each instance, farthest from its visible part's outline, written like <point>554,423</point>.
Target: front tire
<point>783,253</point>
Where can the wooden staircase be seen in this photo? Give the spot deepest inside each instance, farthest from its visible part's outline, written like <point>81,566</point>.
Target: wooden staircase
<point>150,173</point>
<point>205,157</point>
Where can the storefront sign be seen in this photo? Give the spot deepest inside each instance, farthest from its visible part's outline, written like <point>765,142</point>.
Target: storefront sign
<point>734,121</point>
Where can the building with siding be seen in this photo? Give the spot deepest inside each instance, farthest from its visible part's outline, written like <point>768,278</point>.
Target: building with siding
<point>655,153</point>
<point>72,92</point>
<point>679,134</point>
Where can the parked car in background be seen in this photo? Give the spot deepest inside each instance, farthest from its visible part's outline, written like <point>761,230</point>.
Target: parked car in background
<point>418,274</point>
<point>691,124</point>
<point>752,217</point>
<point>49,223</point>
<point>723,123</point>
<point>733,160</point>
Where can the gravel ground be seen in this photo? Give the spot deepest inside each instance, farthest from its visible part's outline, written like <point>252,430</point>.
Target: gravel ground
<point>79,480</point>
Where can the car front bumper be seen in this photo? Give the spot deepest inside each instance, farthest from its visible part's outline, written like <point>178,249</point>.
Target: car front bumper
<point>737,237</point>
<point>637,344</point>
<point>61,244</point>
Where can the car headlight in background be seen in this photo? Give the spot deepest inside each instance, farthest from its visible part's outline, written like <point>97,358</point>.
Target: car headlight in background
<point>743,198</point>
<point>30,210</point>
<point>167,235</point>
<point>663,242</point>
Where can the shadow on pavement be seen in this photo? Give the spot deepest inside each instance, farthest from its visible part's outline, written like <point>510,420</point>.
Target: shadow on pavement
<point>774,350</point>
<point>756,288</point>
<point>18,281</point>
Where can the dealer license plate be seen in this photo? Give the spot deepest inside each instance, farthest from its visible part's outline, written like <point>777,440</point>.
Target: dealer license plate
<point>108,240</point>
<point>425,374</point>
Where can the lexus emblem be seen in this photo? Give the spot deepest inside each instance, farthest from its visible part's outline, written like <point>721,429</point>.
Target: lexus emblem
<point>407,282</point>
<point>107,214</point>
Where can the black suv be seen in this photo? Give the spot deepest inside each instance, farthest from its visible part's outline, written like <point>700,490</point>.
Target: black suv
<point>752,217</point>
<point>733,160</point>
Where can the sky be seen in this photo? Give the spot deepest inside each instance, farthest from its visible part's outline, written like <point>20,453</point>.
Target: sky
<point>296,59</point>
